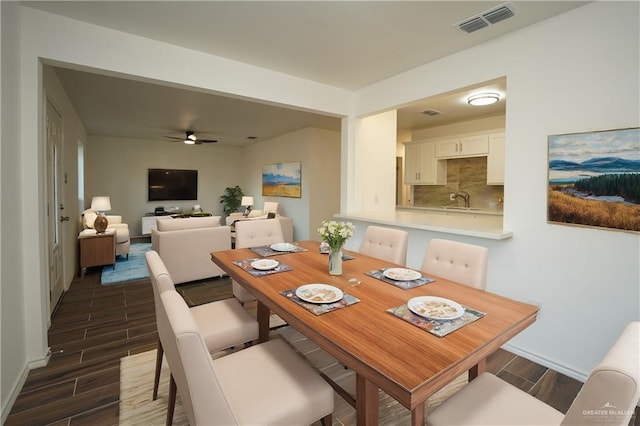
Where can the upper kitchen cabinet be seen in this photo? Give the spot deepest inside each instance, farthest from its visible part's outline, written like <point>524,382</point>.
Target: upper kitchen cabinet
<point>495,159</point>
<point>466,146</point>
<point>421,165</point>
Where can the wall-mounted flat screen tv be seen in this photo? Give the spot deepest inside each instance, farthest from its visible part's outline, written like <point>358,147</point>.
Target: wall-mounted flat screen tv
<point>172,184</point>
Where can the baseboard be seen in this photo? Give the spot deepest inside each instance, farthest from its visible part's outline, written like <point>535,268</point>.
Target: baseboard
<point>15,391</point>
<point>19,383</point>
<point>560,368</point>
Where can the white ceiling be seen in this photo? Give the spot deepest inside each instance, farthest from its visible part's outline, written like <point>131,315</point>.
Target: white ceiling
<point>347,44</point>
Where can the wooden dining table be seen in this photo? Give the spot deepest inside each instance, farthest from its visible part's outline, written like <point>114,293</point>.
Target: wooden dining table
<point>386,352</point>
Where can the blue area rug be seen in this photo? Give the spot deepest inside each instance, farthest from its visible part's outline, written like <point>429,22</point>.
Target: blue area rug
<point>135,268</point>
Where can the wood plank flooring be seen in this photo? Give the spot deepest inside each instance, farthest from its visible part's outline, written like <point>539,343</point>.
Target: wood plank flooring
<point>95,325</point>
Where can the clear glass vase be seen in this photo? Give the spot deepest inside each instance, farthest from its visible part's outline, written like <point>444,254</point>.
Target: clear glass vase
<point>335,262</point>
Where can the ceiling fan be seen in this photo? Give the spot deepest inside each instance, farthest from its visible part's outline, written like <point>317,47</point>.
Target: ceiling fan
<point>191,139</point>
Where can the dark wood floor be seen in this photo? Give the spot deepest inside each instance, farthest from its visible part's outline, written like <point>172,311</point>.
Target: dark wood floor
<point>94,326</point>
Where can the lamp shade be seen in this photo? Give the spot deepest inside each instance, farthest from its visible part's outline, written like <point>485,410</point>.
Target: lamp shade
<point>101,204</point>
<point>247,201</point>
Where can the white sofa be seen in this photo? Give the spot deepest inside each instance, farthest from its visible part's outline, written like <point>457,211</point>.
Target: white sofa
<point>185,244</point>
<point>114,222</point>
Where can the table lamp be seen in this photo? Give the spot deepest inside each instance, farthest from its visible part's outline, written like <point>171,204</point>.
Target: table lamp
<point>247,202</point>
<point>100,204</point>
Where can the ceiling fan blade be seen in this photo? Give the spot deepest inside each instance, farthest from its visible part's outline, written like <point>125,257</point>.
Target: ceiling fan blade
<point>174,138</point>
<point>207,140</point>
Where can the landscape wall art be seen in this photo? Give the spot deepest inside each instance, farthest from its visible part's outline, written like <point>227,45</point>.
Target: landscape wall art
<point>594,179</point>
<point>282,180</point>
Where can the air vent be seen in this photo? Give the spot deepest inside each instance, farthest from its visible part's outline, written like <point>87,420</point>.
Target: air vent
<point>473,24</point>
<point>430,112</point>
<point>486,18</point>
<point>498,14</point>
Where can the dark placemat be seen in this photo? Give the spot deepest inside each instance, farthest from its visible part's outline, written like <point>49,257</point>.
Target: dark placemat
<point>246,265</point>
<point>266,251</point>
<point>320,308</point>
<point>437,328</point>
<point>405,285</point>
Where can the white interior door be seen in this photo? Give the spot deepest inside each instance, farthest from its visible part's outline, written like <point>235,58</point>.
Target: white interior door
<point>55,208</point>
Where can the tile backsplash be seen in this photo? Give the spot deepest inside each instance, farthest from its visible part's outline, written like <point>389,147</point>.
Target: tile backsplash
<point>463,174</point>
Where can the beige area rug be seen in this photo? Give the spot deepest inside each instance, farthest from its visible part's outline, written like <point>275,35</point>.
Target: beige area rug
<point>136,386</point>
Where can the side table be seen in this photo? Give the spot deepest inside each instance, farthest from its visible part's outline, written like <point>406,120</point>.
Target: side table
<point>97,249</point>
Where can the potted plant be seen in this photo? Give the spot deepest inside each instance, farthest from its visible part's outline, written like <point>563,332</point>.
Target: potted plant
<point>231,199</point>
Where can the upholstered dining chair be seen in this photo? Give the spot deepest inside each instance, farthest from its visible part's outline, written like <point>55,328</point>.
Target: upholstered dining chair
<point>385,243</point>
<point>223,324</point>
<point>255,233</point>
<point>460,262</point>
<point>609,395</point>
<point>265,384</point>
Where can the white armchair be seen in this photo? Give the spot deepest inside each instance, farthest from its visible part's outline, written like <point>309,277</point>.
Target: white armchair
<point>115,222</point>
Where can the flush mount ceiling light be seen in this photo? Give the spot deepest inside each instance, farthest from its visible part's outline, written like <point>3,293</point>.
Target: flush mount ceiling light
<point>481,99</point>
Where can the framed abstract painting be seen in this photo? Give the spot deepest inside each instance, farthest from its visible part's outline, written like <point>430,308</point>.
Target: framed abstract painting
<point>594,179</point>
<point>282,180</point>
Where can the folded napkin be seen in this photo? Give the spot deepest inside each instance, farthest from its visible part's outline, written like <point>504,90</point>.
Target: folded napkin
<point>405,285</point>
<point>266,251</point>
<point>437,328</point>
<point>320,308</point>
<point>246,265</point>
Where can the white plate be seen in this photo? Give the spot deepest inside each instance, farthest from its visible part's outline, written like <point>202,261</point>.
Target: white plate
<point>319,293</point>
<point>282,247</point>
<point>437,308</point>
<point>401,274</point>
<point>264,264</point>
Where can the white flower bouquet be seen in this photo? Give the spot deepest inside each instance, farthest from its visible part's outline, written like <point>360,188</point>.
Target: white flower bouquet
<point>336,233</point>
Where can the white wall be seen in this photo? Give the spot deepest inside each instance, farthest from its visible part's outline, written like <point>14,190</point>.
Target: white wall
<point>374,163</point>
<point>573,73</point>
<point>319,152</point>
<point>118,167</point>
<point>13,350</point>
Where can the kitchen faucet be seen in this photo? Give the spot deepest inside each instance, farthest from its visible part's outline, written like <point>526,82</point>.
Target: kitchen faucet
<point>464,195</point>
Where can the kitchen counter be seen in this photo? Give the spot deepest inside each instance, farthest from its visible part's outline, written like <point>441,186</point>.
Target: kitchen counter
<point>473,223</point>
<point>466,210</point>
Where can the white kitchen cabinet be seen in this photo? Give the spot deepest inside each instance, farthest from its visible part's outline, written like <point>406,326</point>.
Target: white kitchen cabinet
<point>466,146</point>
<point>421,165</point>
<point>495,159</point>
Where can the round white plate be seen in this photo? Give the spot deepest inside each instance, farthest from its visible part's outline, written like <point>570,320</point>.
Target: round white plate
<point>319,293</point>
<point>437,308</point>
<point>264,264</point>
<point>401,274</point>
<point>282,247</point>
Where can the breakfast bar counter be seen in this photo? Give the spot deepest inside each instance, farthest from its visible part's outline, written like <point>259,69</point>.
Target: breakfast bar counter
<point>473,223</point>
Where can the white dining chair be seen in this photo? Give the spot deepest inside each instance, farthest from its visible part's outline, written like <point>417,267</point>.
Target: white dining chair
<point>609,395</point>
<point>255,233</point>
<point>459,262</point>
<point>385,243</point>
<point>266,384</point>
<point>223,324</point>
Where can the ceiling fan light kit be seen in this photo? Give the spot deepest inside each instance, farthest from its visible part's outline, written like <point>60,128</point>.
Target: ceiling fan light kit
<point>191,139</point>
<point>482,99</point>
